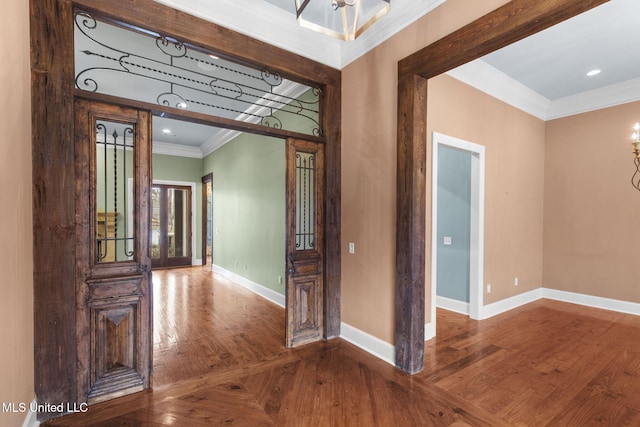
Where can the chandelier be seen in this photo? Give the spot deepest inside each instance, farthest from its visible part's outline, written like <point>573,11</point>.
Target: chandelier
<point>635,179</point>
<point>343,19</point>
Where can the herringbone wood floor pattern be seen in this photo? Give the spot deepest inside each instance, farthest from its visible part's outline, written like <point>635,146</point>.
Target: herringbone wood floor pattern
<point>219,359</point>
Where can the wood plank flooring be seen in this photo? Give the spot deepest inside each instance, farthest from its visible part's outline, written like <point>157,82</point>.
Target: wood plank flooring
<point>219,359</point>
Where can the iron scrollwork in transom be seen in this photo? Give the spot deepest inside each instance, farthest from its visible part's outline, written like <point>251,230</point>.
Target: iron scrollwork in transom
<point>149,67</point>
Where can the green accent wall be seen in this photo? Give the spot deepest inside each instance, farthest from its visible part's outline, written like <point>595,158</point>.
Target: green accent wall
<point>249,208</point>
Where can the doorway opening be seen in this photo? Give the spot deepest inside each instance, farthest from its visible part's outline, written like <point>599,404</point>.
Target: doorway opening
<point>72,82</point>
<point>207,219</point>
<point>172,224</point>
<point>460,266</point>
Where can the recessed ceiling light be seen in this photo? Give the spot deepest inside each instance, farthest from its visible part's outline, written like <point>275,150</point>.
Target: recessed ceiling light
<point>593,73</point>
<point>166,131</point>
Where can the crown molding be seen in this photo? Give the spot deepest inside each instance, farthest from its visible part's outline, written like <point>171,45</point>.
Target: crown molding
<point>270,24</point>
<point>177,150</point>
<point>402,14</point>
<point>494,82</point>
<point>491,81</point>
<point>265,22</point>
<point>597,99</point>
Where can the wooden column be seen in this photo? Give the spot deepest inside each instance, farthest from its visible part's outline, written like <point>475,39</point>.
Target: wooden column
<point>53,201</point>
<point>332,266</point>
<point>410,223</point>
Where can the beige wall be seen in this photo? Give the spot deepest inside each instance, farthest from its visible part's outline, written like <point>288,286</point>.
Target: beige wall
<point>559,209</point>
<point>16,286</point>
<point>369,106</point>
<point>592,213</point>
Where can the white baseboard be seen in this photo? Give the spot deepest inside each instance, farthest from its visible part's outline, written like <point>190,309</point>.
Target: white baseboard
<point>385,351</point>
<point>263,291</point>
<point>31,419</point>
<point>510,303</point>
<point>507,304</point>
<point>592,301</point>
<point>453,305</point>
<point>373,345</point>
<point>429,331</point>
<point>196,261</point>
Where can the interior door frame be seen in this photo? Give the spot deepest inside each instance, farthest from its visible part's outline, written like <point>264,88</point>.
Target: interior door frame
<point>192,220</point>
<point>53,94</point>
<point>476,249</point>
<point>507,24</point>
<point>207,179</point>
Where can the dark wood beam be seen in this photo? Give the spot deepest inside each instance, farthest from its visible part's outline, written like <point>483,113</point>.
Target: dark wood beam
<point>187,28</point>
<point>512,22</point>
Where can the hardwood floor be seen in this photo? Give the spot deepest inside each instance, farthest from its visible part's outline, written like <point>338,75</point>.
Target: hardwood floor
<point>219,359</point>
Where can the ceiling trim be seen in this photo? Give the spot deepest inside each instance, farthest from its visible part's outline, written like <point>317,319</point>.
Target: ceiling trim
<point>493,82</point>
<point>597,99</point>
<point>270,24</point>
<point>177,150</point>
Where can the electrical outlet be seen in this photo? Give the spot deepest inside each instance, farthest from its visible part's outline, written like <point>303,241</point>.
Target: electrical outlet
<point>515,281</point>
<point>352,248</point>
<point>488,288</point>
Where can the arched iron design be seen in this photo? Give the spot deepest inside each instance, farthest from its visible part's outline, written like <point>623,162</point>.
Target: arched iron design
<point>183,76</point>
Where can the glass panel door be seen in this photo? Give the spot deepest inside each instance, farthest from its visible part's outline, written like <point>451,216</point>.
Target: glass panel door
<point>305,224</point>
<point>113,164</point>
<point>170,226</point>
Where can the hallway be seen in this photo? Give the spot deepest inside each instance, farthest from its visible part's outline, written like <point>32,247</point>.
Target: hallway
<point>204,323</point>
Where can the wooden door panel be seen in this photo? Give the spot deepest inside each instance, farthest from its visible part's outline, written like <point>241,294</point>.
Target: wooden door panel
<point>113,268</point>
<point>116,367</point>
<point>305,242</point>
<point>307,314</point>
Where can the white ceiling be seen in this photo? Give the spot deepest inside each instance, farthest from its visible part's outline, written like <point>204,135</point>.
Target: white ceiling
<point>544,75</point>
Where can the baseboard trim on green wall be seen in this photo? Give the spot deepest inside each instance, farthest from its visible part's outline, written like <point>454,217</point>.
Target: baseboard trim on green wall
<point>254,287</point>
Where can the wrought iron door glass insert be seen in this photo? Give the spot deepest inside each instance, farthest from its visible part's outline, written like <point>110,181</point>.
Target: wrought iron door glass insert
<point>305,201</point>
<point>114,178</point>
<point>145,66</point>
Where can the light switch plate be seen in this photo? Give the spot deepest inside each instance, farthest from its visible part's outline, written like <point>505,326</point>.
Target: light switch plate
<point>447,240</point>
